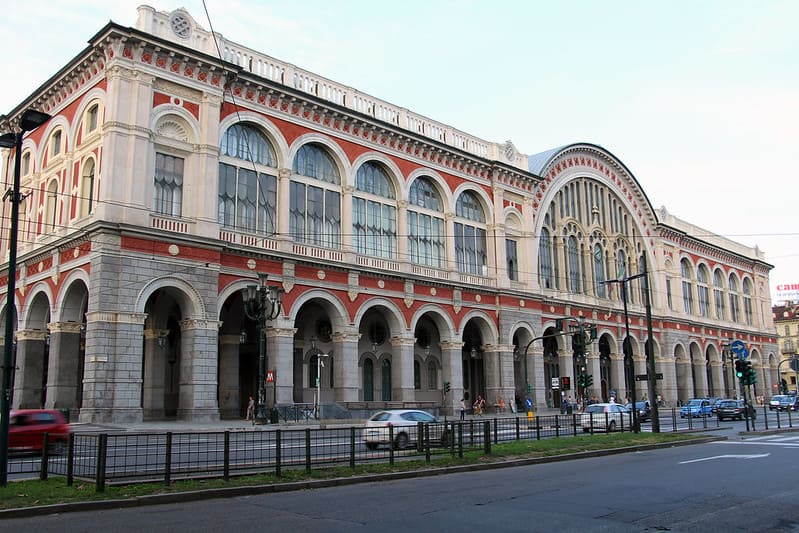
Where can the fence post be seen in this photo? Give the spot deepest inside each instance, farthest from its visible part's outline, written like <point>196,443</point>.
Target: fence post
<point>308,450</point>
<point>574,424</point>
<point>278,454</point>
<point>496,433</point>
<point>557,425</point>
<point>70,459</point>
<point>168,459</point>
<point>460,440</point>
<point>391,445</point>
<point>427,441</point>
<point>100,473</point>
<point>420,437</point>
<point>45,457</point>
<point>471,432</point>
<point>538,428</point>
<point>674,419</point>
<point>226,459</point>
<point>487,437</point>
<point>352,447</point>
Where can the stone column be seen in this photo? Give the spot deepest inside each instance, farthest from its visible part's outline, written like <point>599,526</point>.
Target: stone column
<point>402,369</point>
<point>537,379</point>
<point>29,371</point>
<point>617,382</point>
<point>592,368</point>
<point>718,380</point>
<point>565,361</point>
<point>345,368</point>
<point>280,351</point>
<point>452,368</point>
<point>667,387</point>
<point>112,377</point>
<point>63,366</point>
<point>283,200</point>
<point>154,377</point>
<point>198,370</point>
<point>700,372</point>
<point>498,368</point>
<point>231,403</point>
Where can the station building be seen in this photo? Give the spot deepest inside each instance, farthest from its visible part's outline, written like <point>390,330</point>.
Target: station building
<point>180,167</point>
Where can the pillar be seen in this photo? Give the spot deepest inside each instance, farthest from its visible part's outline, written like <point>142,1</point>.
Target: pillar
<point>345,369</point>
<point>280,352</point>
<point>452,368</point>
<point>198,370</point>
<point>29,369</point>
<point>154,377</point>
<point>402,369</point>
<point>231,404</point>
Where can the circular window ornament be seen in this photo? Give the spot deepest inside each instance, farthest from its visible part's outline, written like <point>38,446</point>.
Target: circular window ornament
<point>180,25</point>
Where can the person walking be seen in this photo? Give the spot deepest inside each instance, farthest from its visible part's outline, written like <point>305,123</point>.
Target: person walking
<point>250,409</point>
<point>463,409</point>
<point>479,404</point>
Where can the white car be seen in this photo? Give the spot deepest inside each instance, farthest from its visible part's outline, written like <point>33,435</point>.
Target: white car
<point>605,417</point>
<point>405,424</point>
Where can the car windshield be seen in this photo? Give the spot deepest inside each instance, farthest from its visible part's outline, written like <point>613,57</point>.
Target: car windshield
<point>729,403</point>
<point>382,416</point>
<point>695,403</point>
<point>595,409</point>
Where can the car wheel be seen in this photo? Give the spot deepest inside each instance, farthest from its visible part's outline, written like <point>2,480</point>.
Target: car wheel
<point>57,447</point>
<point>371,445</point>
<point>401,441</point>
<point>612,425</point>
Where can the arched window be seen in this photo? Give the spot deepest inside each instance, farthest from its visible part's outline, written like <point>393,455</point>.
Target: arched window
<point>55,143</point>
<point>91,120</point>
<point>718,294</point>
<point>702,290</point>
<point>368,381</point>
<point>86,195</point>
<point>573,264</point>
<point>599,271</point>
<point>374,220</point>
<point>747,295</point>
<point>168,185</point>
<point>621,268</point>
<point>734,302</point>
<point>417,375</point>
<point>51,207</point>
<point>470,235</point>
<point>432,375</point>
<point>687,286</point>
<point>315,198</point>
<point>25,168</point>
<point>545,260</point>
<point>247,198</point>
<point>426,244</point>
<point>385,380</point>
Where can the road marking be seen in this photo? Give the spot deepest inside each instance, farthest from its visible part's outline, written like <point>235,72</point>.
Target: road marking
<point>763,443</point>
<point>757,456</point>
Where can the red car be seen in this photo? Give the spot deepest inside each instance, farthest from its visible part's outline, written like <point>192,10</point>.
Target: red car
<point>28,426</point>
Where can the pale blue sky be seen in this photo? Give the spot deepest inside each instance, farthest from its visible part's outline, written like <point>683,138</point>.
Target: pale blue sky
<point>700,99</point>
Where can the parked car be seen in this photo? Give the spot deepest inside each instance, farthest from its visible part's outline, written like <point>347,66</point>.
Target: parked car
<point>406,428</point>
<point>716,403</point>
<point>27,428</point>
<point>775,402</point>
<point>605,417</point>
<point>788,403</point>
<point>644,410</point>
<point>732,409</point>
<point>696,407</point>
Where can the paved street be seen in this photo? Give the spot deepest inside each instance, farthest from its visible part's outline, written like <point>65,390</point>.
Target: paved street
<point>745,484</point>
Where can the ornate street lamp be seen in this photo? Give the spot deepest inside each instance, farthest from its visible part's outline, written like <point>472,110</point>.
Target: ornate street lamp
<point>261,303</point>
<point>29,121</point>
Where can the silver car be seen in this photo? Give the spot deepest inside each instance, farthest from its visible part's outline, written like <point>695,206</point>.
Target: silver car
<point>405,424</point>
<point>605,417</point>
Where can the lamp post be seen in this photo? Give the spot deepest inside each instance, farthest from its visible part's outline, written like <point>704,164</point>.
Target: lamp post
<point>261,303</point>
<point>319,366</point>
<point>29,121</point>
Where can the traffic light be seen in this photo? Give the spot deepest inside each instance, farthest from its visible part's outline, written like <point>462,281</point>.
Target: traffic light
<point>581,381</point>
<point>593,333</point>
<point>589,380</point>
<point>739,369</point>
<point>446,386</point>
<point>565,383</point>
<point>751,375</point>
<point>578,342</point>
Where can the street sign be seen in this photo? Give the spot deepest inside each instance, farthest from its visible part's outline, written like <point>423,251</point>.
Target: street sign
<point>270,376</point>
<point>739,349</point>
<point>645,377</point>
<point>529,402</point>
<point>555,383</point>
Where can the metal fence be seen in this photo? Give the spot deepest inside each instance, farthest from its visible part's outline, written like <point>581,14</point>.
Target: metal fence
<point>132,457</point>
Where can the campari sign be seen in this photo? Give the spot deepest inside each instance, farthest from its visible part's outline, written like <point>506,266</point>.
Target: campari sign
<point>788,291</point>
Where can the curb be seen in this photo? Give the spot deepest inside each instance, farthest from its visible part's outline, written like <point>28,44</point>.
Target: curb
<point>233,492</point>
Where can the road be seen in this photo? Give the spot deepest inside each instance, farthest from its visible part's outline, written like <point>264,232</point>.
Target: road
<point>738,485</point>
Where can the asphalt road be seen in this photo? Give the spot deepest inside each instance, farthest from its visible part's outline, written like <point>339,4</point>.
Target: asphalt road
<point>739,485</point>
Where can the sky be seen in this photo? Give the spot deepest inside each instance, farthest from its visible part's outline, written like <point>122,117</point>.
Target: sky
<point>698,98</point>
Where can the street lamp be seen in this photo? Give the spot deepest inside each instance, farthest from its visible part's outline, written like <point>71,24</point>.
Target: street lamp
<point>29,121</point>
<point>261,303</point>
<point>319,366</point>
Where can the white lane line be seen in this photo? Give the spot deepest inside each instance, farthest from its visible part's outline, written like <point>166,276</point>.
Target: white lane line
<point>761,443</point>
<point>757,456</point>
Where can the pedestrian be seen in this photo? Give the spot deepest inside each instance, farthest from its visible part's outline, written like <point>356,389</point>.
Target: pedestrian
<point>250,409</point>
<point>463,409</point>
<point>479,404</point>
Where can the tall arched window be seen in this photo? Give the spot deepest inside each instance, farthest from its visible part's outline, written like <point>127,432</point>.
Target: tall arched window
<point>432,375</point>
<point>621,268</point>
<point>86,195</point>
<point>385,380</point>
<point>368,381</point>
<point>573,264</point>
<point>687,286</point>
<point>545,260</point>
<point>747,296</point>
<point>426,244</point>
<point>599,271</point>
<point>247,196</point>
<point>702,290</point>
<point>168,185</point>
<point>734,301</point>
<point>374,219</point>
<point>315,198</point>
<point>470,235</point>
<point>51,207</point>
<point>718,294</point>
